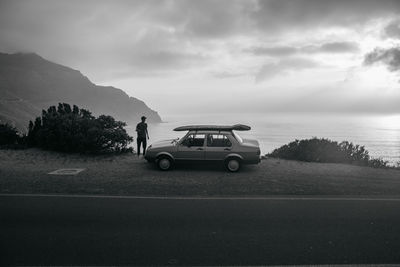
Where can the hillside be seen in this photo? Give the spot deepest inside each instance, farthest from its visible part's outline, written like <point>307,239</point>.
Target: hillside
<point>29,83</point>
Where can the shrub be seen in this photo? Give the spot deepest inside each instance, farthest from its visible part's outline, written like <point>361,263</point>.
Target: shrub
<point>77,130</point>
<point>9,135</point>
<point>325,150</point>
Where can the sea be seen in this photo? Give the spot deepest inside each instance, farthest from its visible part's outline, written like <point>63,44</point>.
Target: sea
<point>379,134</point>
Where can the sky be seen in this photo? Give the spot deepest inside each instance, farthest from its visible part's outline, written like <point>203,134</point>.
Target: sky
<point>190,56</point>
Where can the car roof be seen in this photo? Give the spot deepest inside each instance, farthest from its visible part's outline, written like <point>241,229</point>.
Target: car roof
<point>236,127</point>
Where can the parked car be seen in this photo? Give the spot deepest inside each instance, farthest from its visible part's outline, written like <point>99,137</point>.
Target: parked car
<point>206,143</point>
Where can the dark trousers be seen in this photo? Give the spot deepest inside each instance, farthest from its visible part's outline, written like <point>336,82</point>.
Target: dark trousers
<point>143,141</point>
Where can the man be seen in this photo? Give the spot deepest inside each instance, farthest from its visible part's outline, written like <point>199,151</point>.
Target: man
<point>142,135</point>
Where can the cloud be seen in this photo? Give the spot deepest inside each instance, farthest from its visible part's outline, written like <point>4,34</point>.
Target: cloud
<point>389,57</point>
<point>277,15</point>
<point>392,30</point>
<point>330,48</point>
<point>274,50</point>
<point>271,70</point>
<point>338,47</point>
<point>226,74</point>
<point>211,18</point>
<point>159,60</point>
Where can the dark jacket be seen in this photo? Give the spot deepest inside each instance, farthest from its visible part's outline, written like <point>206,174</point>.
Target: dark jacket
<point>141,129</point>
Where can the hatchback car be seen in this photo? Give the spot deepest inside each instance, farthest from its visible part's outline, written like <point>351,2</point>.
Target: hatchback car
<point>206,143</point>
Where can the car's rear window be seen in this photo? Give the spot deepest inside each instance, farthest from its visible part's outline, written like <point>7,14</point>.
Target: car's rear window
<point>240,140</point>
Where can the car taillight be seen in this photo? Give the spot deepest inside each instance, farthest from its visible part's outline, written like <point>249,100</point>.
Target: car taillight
<point>258,152</point>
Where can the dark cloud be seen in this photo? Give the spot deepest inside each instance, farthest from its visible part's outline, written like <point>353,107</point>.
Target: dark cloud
<point>275,15</point>
<point>220,18</point>
<point>392,30</point>
<point>271,70</point>
<point>389,57</point>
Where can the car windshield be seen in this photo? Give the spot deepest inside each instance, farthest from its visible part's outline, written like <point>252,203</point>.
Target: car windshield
<point>240,140</point>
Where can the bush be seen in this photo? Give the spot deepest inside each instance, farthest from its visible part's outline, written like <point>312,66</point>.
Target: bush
<point>325,150</point>
<point>77,130</point>
<point>9,137</point>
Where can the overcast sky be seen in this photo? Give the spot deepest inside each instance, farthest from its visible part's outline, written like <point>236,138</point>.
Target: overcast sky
<point>190,56</point>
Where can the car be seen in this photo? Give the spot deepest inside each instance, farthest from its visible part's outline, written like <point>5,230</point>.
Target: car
<point>206,143</point>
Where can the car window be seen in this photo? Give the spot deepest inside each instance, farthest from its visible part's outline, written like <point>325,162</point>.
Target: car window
<point>194,140</point>
<point>218,140</point>
<point>240,140</point>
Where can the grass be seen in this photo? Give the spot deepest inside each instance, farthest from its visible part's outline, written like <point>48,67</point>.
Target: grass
<point>25,171</point>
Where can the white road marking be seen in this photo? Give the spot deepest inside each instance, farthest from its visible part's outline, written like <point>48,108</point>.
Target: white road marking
<point>284,198</point>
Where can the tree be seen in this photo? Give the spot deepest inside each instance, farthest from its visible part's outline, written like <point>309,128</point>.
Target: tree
<point>77,130</point>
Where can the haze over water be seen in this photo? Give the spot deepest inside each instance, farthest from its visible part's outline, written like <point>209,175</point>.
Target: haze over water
<point>380,134</point>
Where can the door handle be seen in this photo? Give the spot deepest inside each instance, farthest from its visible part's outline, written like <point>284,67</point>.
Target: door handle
<point>227,149</point>
<point>199,148</point>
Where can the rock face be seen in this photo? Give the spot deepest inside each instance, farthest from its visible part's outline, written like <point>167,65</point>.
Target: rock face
<point>29,83</point>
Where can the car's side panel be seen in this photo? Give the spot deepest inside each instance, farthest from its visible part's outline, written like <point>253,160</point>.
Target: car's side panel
<point>190,153</point>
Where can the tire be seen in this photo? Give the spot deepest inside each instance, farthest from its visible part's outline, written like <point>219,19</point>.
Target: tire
<point>164,163</point>
<point>233,164</point>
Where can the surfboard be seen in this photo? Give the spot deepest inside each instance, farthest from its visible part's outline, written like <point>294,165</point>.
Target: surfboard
<point>236,127</point>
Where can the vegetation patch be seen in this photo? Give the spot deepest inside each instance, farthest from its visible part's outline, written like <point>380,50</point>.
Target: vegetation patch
<point>327,151</point>
<point>69,129</point>
<point>73,129</point>
<point>10,137</point>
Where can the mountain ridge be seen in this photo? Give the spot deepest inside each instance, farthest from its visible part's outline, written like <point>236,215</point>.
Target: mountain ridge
<point>30,83</point>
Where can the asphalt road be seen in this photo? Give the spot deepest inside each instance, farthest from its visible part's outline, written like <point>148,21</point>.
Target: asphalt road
<point>40,230</point>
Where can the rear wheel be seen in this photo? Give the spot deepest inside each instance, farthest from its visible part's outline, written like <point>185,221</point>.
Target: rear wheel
<point>164,163</point>
<point>232,164</point>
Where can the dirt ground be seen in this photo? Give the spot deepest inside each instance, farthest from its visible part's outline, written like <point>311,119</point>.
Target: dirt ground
<point>26,171</point>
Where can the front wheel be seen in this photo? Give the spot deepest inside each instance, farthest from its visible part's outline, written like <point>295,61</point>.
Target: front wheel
<point>164,163</point>
<point>232,164</point>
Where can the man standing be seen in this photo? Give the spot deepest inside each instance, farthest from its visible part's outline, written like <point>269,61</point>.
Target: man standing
<point>142,135</point>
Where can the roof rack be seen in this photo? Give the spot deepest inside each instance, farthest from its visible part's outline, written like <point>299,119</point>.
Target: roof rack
<point>236,127</point>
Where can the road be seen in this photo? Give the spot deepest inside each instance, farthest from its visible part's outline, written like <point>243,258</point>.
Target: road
<point>84,230</point>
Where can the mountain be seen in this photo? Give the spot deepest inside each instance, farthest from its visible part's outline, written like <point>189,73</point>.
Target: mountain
<point>29,83</point>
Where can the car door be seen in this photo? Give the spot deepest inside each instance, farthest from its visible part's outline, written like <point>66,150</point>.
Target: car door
<point>218,146</point>
<point>191,147</point>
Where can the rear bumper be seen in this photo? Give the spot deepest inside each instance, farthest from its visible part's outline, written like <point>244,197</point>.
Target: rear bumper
<point>252,161</point>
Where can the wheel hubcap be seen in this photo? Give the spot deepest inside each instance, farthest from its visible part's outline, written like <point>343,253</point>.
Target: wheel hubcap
<point>164,164</point>
<point>233,165</point>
